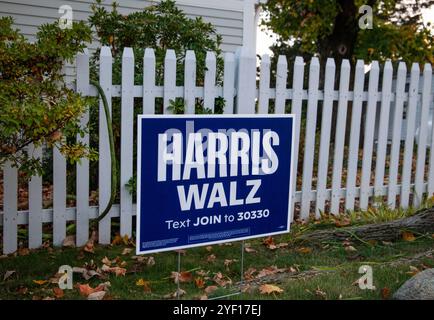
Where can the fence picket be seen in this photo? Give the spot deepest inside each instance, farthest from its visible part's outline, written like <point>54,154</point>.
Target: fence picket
<point>422,141</point>
<point>127,125</point>
<point>169,80</point>
<point>246,86</point>
<point>148,81</point>
<point>190,82</point>
<point>209,82</point>
<point>35,203</point>
<point>104,180</point>
<point>82,186</point>
<point>338,154</point>
<point>264,85</point>
<point>309,147</point>
<point>353,151</point>
<point>396,134</point>
<point>281,78</point>
<point>409,138</point>
<point>323,160</point>
<point>229,83</point>
<point>297,100</point>
<point>368,138</point>
<point>59,197</point>
<point>10,208</point>
<point>383,128</point>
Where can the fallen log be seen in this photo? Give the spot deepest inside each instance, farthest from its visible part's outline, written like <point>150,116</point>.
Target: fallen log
<point>420,223</point>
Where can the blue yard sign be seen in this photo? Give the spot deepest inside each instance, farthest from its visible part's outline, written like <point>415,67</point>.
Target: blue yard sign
<point>210,179</point>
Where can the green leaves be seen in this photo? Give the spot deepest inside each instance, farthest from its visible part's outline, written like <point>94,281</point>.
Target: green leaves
<point>36,107</point>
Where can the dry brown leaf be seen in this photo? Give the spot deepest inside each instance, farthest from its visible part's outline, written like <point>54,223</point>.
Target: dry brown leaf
<point>208,248</point>
<point>126,251</point>
<point>249,250</point>
<point>320,293</point>
<point>211,258</point>
<point>183,276</point>
<point>413,271</point>
<point>176,294</point>
<point>270,271</point>
<point>86,289</point>
<point>210,289</point>
<point>304,250</point>
<point>228,262</point>
<point>268,241</point>
<point>58,293</point>
<point>69,242</point>
<point>89,247</point>
<point>144,284</point>
<point>199,282</point>
<point>117,240</point>
<point>23,251</point>
<point>8,274</point>
<point>408,236</point>
<point>269,288</point>
<point>385,293</point>
<point>248,274</point>
<point>151,261</point>
<point>106,261</point>
<point>221,280</point>
<point>99,295</point>
<point>350,249</point>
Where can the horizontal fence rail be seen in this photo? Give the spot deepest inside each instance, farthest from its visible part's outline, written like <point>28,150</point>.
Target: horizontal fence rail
<point>360,137</point>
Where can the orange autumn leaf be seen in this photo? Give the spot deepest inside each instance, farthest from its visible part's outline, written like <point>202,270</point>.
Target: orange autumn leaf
<point>117,240</point>
<point>199,282</point>
<point>144,284</point>
<point>408,236</point>
<point>269,288</point>
<point>268,241</point>
<point>304,250</point>
<point>183,276</point>
<point>86,289</point>
<point>385,293</point>
<point>210,289</point>
<point>40,282</point>
<point>58,293</point>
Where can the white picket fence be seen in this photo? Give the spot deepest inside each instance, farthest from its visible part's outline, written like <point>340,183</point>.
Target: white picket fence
<point>350,185</point>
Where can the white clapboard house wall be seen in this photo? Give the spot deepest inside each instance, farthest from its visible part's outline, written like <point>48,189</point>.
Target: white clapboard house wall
<point>335,172</point>
<point>233,19</point>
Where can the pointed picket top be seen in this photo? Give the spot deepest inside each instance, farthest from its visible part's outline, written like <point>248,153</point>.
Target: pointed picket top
<point>281,61</point>
<point>149,54</point>
<point>128,53</point>
<point>345,64</point>
<point>314,63</point>
<point>105,52</point>
<point>360,64</point>
<point>210,57</point>
<point>229,82</point>
<point>85,52</point>
<point>330,63</point>
<point>373,76</point>
<point>314,73</point>
<point>209,83</point>
<point>265,59</point>
<point>402,66</point>
<point>281,79</point>
<point>170,55</point>
<point>189,81</point>
<point>388,65</point>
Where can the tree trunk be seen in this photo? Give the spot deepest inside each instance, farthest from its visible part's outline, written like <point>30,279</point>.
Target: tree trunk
<point>422,222</point>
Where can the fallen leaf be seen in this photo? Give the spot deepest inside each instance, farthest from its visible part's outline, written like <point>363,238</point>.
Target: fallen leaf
<point>221,280</point>
<point>228,262</point>
<point>8,274</point>
<point>268,241</point>
<point>117,240</point>
<point>209,248</point>
<point>199,282</point>
<point>126,251</point>
<point>343,222</point>
<point>89,247</point>
<point>269,288</point>
<point>248,274</point>
<point>413,271</point>
<point>69,242</point>
<point>106,261</point>
<point>58,293</point>
<point>183,276</point>
<point>350,249</point>
<point>176,294</point>
<point>151,261</point>
<point>40,282</point>
<point>408,236</point>
<point>23,251</point>
<point>210,289</point>
<point>385,293</point>
<point>249,250</point>
<point>320,294</point>
<point>304,250</point>
<point>211,258</point>
<point>116,270</point>
<point>270,271</point>
<point>144,284</point>
<point>99,295</point>
<point>86,289</point>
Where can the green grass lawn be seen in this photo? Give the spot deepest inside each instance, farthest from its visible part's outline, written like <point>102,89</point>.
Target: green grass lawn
<point>337,270</point>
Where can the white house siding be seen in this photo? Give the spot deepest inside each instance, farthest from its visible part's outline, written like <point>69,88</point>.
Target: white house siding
<point>225,15</point>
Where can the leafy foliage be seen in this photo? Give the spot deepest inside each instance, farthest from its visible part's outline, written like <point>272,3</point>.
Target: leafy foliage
<point>36,105</point>
<point>330,28</point>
